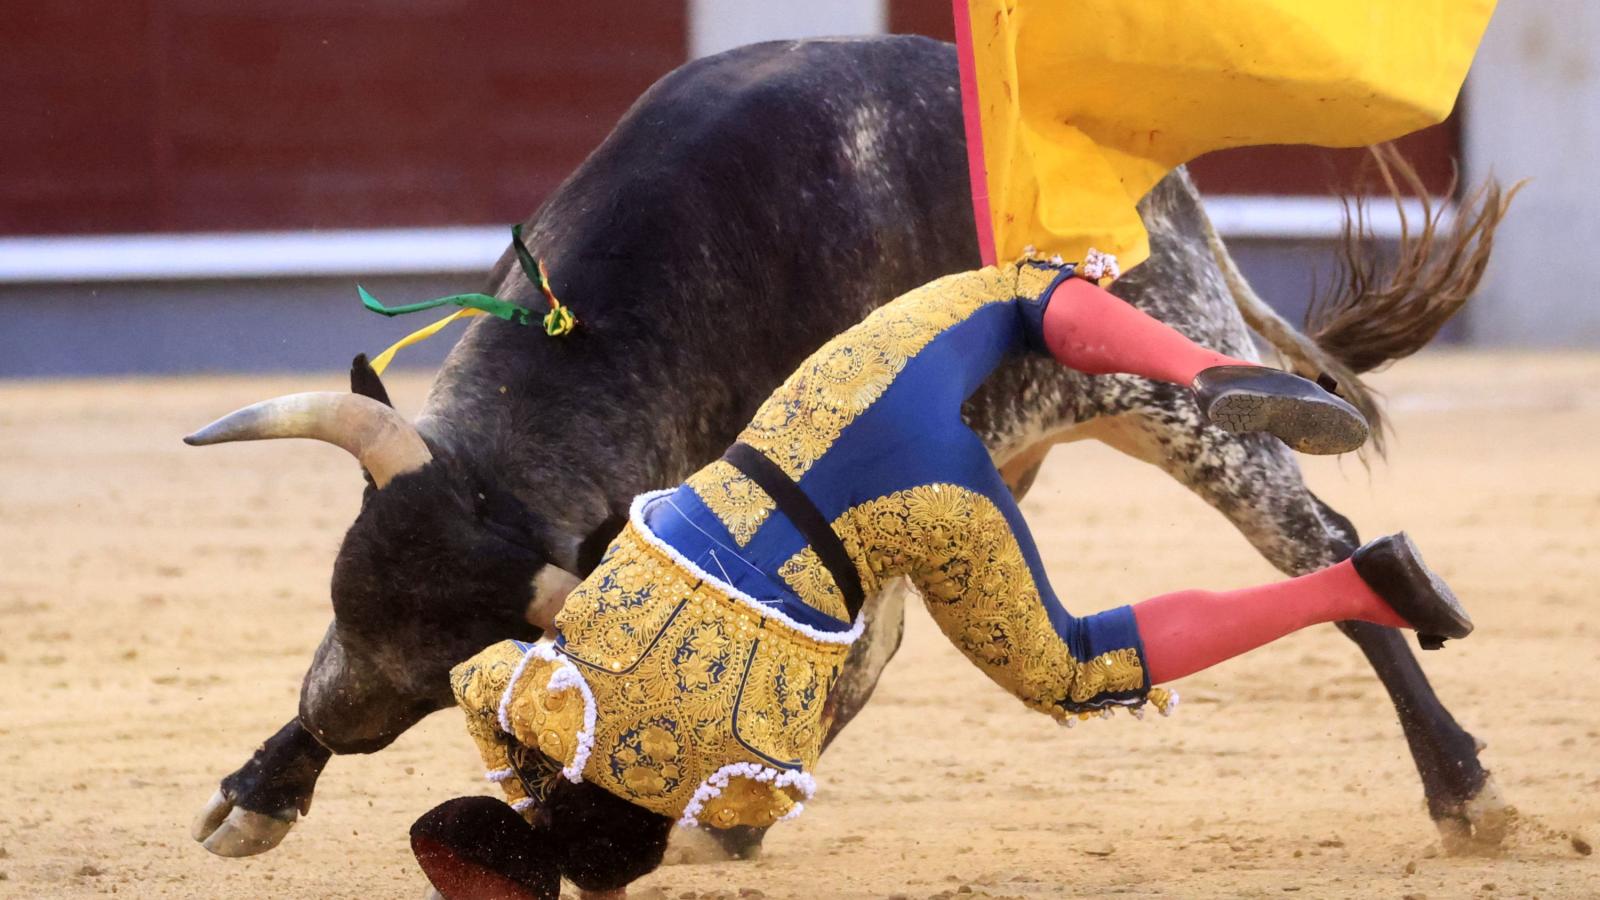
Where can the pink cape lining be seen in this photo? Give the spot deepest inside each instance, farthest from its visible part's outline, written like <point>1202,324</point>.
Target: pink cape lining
<point>977,172</point>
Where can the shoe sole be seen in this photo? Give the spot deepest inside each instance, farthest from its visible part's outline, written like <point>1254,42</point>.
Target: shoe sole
<point>1320,426</point>
<point>1443,617</point>
<point>452,875</point>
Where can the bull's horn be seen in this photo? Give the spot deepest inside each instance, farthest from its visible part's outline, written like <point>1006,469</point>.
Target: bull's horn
<point>385,443</point>
<point>551,585</point>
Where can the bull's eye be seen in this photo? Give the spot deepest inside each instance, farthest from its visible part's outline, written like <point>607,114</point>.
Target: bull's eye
<point>504,517</point>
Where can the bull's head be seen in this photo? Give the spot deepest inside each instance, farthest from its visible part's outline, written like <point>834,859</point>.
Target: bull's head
<point>440,562</point>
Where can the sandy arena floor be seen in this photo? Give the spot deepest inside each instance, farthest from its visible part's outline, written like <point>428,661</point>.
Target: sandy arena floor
<point>158,605</point>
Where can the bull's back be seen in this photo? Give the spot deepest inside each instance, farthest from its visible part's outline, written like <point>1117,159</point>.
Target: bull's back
<point>747,208</point>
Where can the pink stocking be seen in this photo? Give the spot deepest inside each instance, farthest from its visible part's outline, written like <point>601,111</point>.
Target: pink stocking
<point>1193,630</point>
<point>1092,331</point>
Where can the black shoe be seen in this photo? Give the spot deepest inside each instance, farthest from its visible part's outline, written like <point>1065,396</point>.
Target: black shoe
<point>478,847</point>
<point>1296,411</point>
<point>1393,568</point>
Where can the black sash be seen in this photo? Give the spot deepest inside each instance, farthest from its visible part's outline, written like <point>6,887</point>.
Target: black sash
<point>807,519</point>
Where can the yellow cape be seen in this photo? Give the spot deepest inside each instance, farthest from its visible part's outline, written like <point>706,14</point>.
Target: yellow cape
<point>1085,105</point>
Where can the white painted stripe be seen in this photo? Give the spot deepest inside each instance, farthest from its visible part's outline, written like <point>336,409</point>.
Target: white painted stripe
<point>718,25</point>
<point>1301,218</point>
<point>279,254</point>
<point>473,249</point>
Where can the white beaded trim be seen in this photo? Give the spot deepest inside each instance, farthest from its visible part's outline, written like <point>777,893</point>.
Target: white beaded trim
<point>636,516</point>
<point>566,676</point>
<point>499,775</point>
<point>1098,266</point>
<point>713,787</point>
<point>523,804</point>
<point>504,716</point>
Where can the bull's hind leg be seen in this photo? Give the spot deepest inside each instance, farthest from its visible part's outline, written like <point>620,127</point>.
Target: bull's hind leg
<point>1256,482</point>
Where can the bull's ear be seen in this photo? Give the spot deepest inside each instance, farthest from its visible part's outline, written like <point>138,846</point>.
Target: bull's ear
<point>364,380</point>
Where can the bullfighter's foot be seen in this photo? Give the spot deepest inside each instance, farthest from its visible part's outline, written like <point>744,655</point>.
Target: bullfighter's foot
<point>1296,411</point>
<point>1393,567</point>
<point>1479,827</point>
<point>233,831</point>
<point>473,847</point>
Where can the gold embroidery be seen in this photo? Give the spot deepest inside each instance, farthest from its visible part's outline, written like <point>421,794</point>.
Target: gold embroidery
<point>732,498</point>
<point>802,419</point>
<point>686,680</point>
<point>805,574</point>
<point>1163,700</point>
<point>477,685</point>
<point>959,551</point>
<point>547,720</point>
<point>746,802</point>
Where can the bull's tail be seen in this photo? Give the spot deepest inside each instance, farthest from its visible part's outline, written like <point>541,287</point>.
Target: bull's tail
<point>1369,320</point>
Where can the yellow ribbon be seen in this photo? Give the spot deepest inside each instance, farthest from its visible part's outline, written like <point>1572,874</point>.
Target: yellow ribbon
<point>381,361</point>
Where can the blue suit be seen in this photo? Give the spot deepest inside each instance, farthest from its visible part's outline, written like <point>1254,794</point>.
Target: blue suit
<point>870,429</point>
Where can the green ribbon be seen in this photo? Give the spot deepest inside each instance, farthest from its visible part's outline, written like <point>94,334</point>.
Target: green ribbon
<point>494,306</point>
<point>530,266</point>
<point>558,321</point>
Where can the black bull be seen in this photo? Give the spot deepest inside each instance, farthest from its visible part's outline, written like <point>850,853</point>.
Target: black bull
<point>748,207</point>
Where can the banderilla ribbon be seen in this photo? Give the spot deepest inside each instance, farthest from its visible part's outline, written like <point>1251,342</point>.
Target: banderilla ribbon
<point>557,322</point>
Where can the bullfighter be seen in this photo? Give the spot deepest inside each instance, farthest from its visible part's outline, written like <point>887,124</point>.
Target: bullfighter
<point>688,677</point>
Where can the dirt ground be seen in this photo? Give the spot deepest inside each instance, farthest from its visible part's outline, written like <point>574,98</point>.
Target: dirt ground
<point>158,605</point>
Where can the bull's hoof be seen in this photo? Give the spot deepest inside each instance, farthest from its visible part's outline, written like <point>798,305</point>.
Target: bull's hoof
<point>1480,826</point>
<point>232,831</point>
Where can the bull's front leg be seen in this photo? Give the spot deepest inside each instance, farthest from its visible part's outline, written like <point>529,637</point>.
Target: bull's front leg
<point>1256,482</point>
<point>256,806</point>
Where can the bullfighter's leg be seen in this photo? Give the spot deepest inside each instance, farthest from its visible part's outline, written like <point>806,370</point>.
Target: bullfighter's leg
<point>980,573</point>
<point>1257,484</point>
<point>1093,331</point>
<point>1383,583</point>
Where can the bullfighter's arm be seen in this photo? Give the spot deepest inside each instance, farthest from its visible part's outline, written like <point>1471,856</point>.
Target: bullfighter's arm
<point>479,684</point>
